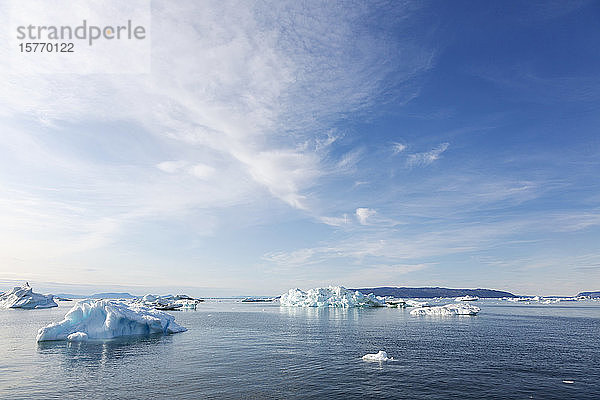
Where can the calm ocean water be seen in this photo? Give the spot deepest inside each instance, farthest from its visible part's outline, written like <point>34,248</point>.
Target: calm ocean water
<point>261,351</point>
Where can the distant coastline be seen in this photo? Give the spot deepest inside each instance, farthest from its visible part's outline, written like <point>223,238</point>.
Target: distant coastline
<point>431,292</point>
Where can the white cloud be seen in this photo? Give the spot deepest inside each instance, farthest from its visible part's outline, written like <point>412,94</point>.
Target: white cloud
<point>254,76</point>
<point>363,214</point>
<point>241,97</point>
<point>202,171</point>
<point>398,148</point>
<point>171,166</point>
<point>426,158</point>
<point>335,221</point>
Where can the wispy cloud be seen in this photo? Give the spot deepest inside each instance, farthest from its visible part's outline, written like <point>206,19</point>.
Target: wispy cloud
<point>398,148</point>
<point>426,158</point>
<point>336,221</point>
<point>363,214</point>
<point>248,110</point>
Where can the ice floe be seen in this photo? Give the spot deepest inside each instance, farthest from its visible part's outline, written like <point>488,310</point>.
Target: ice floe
<point>448,309</point>
<point>401,303</point>
<point>24,297</point>
<point>168,302</point>
<point>332,296</point>
<point>542,300</point>
<point>108,319</point>
<point>379,356</point>
<point>467,298</point>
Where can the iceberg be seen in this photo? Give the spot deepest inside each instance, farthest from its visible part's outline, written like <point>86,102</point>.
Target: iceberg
<point>401,303</point>
<point>332,296</point>
<point>415,303</point>
<point>168,302</point>
<point>108,319</point>
<point>449,309</point>
<point>149,298</point>
<point>77,337</point>
<point>379,356</point>
<point>467,298</point>
<point>518,299</point>
<point>24,297</point>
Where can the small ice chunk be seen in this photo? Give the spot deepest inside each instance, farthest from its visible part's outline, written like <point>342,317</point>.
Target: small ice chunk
<point>380,356</point>
<point>332,296</point>
<point>149,298</point>
<point>24,297</point>
<point>467,298</point>
<point>108,319</point>
<point>415,303</point>
<point>78,337</point>
<point>448,309</point>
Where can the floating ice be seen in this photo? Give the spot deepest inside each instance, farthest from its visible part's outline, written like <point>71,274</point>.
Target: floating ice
<point>188,304</point>
<point>149,298</point>
<point>169,302</point>
<point>380,356</point>
<point>77,337</point>
<point>332,296</point>
<point>415,303</point>
<point>449,309</point>
<point>467,298</point>
<point>518,299</point>
<point>107,319</point>
<point>401,303</point>
<point>23,297</point>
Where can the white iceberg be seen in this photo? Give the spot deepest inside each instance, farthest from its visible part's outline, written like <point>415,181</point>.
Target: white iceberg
<point>149,298</point>
<point>332,296</point>
<point>188,304</point>
<point>401,303</point>
<point>415,303</point>
<point>467,298</point>
<point>168,302</point>
<point>77,337</point>
<point>379,356</point>
<point>24,297</point>
<point>449,309</point>
<point>108,319</point>
<point>518,299</point>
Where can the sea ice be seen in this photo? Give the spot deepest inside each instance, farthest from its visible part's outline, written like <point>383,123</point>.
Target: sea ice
<point>401,303</point>
<point>467,298</point>
<point>24,297</point>
<point>380,356</point>
<point>332,296</point>
<point>149,298</point>
<point>449,309</point>
<point>415,303</point>
<point>187,304</point>
<point>107,319</point>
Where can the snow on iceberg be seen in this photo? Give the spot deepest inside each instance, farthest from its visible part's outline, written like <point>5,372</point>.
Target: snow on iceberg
<point>449,309</point>
<point>379,356</point>
<point>24,297</point>
<point>332,296</point>
<point>108,319</point>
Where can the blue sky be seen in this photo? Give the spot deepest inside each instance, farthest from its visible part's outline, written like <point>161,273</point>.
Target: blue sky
<point>282,145</point>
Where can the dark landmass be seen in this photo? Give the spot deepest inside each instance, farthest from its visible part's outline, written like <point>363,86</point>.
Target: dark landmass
<point>430,292</point>
<point>97,296</point>
<point>590,294</point>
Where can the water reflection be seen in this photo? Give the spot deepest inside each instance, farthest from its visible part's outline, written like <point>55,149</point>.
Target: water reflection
<point>99,353</point>
<point>325,313</point>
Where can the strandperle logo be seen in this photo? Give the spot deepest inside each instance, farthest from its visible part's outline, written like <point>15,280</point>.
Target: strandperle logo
<point>85,31</point>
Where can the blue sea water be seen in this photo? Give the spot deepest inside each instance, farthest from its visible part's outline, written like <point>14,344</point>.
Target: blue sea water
<point>263,351</point>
